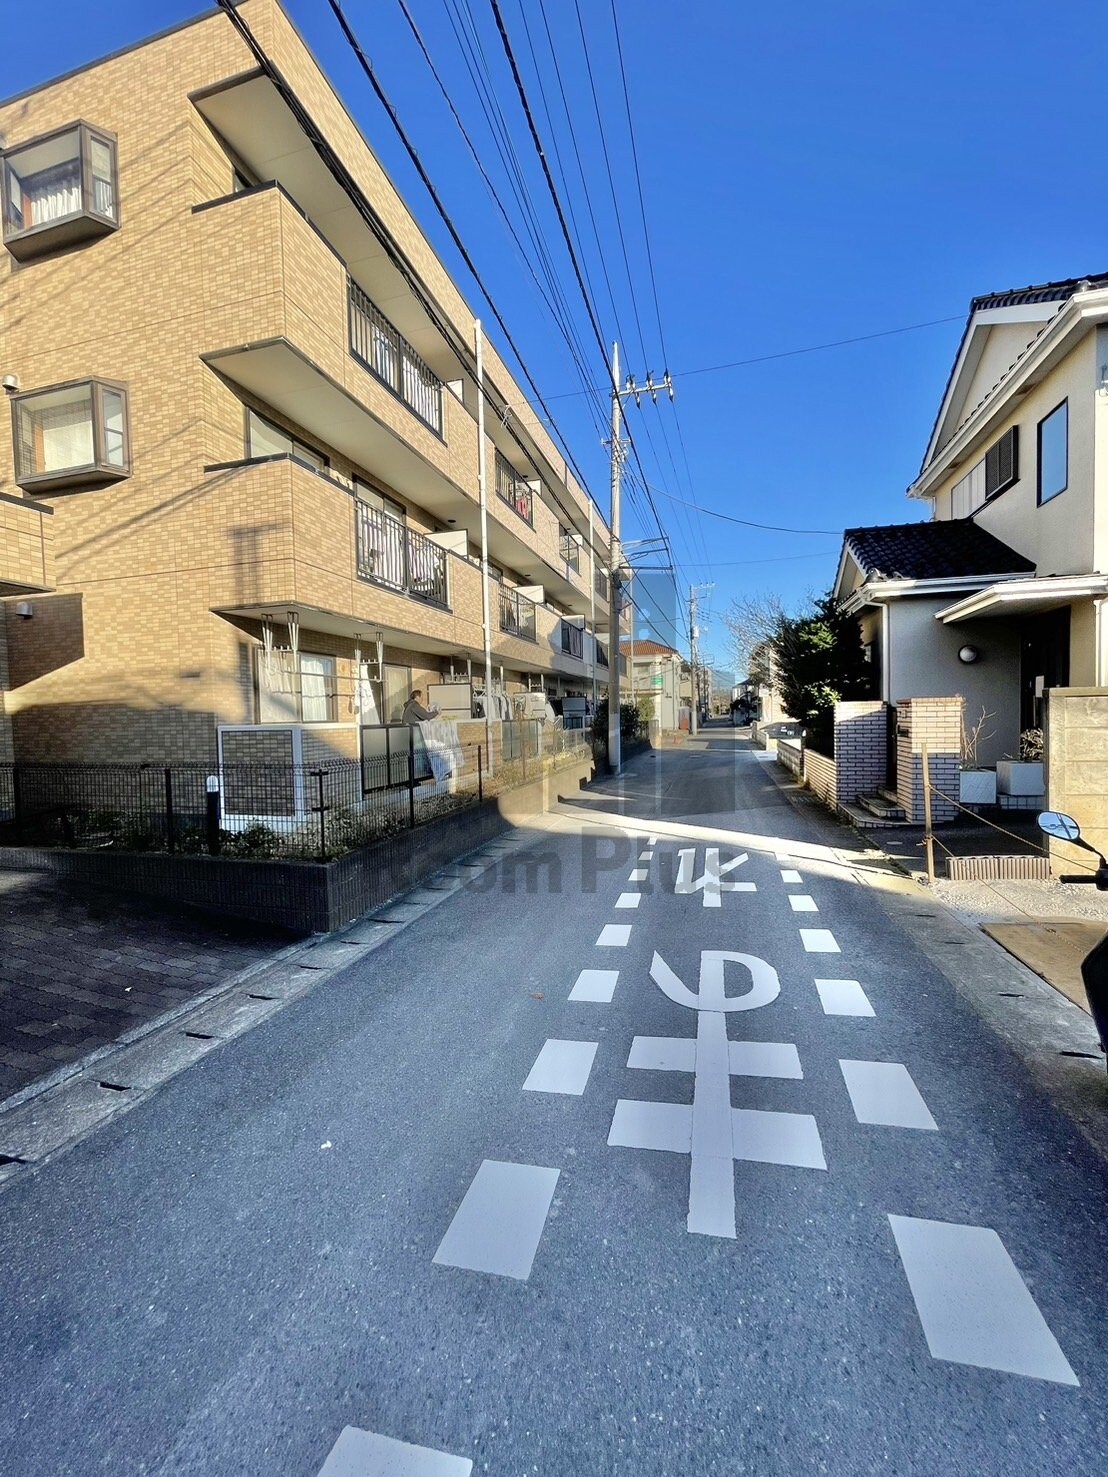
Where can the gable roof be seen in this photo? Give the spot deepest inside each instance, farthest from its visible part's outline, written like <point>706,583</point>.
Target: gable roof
<point>1032,306</point>
<point>955,547</point>
<point>647,648</point>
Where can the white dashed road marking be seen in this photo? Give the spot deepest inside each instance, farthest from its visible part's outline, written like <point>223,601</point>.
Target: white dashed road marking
<point>614,936</point>
<point>628,900</point>
<point>972,1302</point>
<point>843,997</point>
<point>562,1066</point>
<point>640,874</point>
<point>884,1093</point>
<point>499,1223</point>
<point>777,1138</point>
<point>646,856</point>
<point>365,1454</point>
<point>788,875</point>
<point>596,985</point>
<point>800,902</point>
<point>764,1059</point>
<point>819,941</point>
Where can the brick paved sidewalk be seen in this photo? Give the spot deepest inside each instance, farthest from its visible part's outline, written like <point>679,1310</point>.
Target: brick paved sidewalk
<point>80,966</point>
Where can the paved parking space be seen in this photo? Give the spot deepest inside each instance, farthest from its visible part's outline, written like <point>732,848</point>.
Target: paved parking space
<point>80,966</point>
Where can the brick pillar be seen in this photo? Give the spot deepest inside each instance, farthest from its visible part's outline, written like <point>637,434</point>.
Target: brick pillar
<point>934,722</point>
<point>859,749</point>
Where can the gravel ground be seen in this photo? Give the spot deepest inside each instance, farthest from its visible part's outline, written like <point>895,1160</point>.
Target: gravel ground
<point>993,901</point>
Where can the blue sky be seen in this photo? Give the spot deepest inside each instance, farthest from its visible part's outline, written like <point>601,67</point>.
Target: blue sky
<point>811,173</point>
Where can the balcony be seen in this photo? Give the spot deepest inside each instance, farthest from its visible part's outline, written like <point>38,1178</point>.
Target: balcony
<point>514,489</point>
<point>375,343</point>
<point>391,554</point>
<point>517,614</point>
<point>569,546</point>
<point>26,547</point>
<point>573,640</point>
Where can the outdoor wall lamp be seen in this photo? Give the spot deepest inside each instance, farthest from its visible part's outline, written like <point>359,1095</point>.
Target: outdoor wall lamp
<point>968,654</point>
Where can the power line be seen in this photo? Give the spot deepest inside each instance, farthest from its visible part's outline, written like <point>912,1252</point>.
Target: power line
<point>838,343</point>
<point>746,522</point>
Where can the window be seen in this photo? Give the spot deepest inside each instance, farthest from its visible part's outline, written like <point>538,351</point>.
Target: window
<point>1054,435</point>
<point>379,500</point>
<point>600,584</point>
<point>58,190</point>
<point>1002,463</point>
<point>71,434</point>
<point>263,438</point>
<point>570,544</point>
<point>296,690</point>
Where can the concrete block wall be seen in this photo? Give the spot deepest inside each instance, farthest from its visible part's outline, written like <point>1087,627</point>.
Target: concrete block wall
<point>822,777</point>
<point>934,724</point>
<point>1076,769</point>
<point>860,734</point>
<point>791,756</point>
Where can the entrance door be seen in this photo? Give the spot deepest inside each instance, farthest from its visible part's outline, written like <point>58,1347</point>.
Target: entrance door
<point>1045,655</point>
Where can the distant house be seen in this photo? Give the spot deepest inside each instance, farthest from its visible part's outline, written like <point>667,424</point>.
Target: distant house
<point>656,672</point>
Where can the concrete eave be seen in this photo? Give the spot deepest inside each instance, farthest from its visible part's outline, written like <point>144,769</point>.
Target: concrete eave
<point>1083,311</point>
<point>878,591</point>
<point>1025,594</point>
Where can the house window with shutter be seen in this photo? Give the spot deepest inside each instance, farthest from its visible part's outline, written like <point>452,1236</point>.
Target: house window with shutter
<point>1002,463</point>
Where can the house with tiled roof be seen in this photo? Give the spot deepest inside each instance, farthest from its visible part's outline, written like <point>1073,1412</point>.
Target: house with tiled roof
<point>1001,596</point>
<point>658,672</point>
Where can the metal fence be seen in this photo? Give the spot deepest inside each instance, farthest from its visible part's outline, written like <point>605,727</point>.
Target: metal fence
<point>390,553</point>
<point>267,811</point>
<point>517,614</point>
<point>388,355</point>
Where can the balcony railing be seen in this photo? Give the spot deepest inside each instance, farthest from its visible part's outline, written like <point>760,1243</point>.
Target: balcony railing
<point>600,584</point>
<point>601,654</point>
<point>517,614</point>
<point>513,489</point>
<point>573,640</point>
<point>377,345</point>
<point>389,553</point>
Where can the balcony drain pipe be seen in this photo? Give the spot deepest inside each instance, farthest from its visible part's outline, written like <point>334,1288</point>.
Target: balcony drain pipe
<point>483,488</point>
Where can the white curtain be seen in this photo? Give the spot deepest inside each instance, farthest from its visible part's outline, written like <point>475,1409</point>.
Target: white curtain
<point>51,195</point>
<point>63,434</point>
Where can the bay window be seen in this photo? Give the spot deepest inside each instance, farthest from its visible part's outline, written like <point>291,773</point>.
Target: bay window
<point>71,434</point>
<point>59,189</point>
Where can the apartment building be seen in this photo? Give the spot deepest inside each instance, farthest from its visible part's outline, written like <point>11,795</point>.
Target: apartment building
<point>239,479</point>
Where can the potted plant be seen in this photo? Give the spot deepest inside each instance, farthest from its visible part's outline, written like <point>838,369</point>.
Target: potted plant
<point>976,786</point>
<point>1023,776</point>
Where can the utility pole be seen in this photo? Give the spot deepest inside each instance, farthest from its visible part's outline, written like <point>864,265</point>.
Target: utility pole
<point>694,637</point>
<point>619,447</point>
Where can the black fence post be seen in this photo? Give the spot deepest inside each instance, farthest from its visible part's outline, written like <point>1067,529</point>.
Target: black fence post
<point>322,816</point>
<point>213,815</point>
<point>17,802</point>
<point>480,782</point>
<point>170,818</point>
<point>411,780</point>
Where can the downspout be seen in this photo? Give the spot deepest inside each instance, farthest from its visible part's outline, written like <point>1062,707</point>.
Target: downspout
<point>482,484</point>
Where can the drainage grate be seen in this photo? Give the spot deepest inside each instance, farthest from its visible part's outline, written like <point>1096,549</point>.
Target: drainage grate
<point>998,868</point>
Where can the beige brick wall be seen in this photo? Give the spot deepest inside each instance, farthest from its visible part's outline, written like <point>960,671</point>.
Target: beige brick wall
<point>1076,769</point>
<point>26,546</point>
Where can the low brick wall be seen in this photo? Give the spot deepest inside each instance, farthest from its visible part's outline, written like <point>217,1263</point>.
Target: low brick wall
<point>791,755</point>
<point>821,776</point>
<point>306,897</point>
<point>860,738</point>
<point>934,724</point>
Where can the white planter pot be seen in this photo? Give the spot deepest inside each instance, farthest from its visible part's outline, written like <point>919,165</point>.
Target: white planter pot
<point>977,786</point>
<point>1020,777</point>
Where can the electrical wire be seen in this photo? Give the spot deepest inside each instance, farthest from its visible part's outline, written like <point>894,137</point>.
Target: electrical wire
<point>745,522</point>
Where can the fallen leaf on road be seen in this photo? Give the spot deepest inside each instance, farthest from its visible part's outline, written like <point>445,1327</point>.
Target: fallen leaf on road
<point>537,995</point>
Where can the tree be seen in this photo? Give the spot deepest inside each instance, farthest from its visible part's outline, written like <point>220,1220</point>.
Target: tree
<point>819,661</point>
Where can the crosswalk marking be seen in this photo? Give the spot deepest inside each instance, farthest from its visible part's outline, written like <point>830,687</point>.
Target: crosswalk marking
<point>972,1302</point>
<point>628,900</point>
<point>884,1093</point>
<point>614,936</point>
<point>843,997</point>
<point>800,902</point>
<point>365,1454</point>
<point>500,1221</point>
<point>562,1066</point>
<point>819,941</point>
<point>595,985</point>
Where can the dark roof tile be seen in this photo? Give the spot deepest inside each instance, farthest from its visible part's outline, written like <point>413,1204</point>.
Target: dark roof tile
<point>920,551</point>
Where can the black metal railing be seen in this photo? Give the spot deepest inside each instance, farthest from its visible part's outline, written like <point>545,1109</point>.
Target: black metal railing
<point>377,345</point>
<point>517,614</point>
<point>601,654</point>
<point>573,639</point>
<point>513,489</point>
<point>600,584</point>
<point>274,811</point>
<point>390,553</point>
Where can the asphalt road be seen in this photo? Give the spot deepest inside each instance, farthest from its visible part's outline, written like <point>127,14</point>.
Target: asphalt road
<point>458,1198</point>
